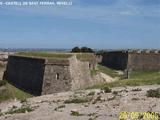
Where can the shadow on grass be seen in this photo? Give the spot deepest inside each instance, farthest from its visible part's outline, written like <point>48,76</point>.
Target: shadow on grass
<point>11,92</point>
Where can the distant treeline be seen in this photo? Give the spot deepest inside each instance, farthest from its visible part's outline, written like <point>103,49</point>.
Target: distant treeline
<point>88,50</point>
<point>82,50</point>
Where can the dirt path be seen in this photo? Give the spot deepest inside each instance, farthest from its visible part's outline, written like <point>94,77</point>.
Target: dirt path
<point>107,78</point>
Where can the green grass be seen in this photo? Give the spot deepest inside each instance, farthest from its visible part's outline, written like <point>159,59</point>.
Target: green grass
<point>85,56</point>
<point>137,78</point>
<point>76,113</point>
<point>20,110</point>
<point>154,93</point>
<point>4,95</point>
<point>59,107</point>
<point>17,93</point>
<point>76,100</point>
<point>107,71</point>
<point>80,56</point>
<point>44,54</point>
<point>12,92</point>
<point>93,72</point>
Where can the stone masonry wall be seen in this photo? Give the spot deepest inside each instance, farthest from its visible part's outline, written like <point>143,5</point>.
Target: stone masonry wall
<point>131,60</point>
<point>26,73</point>
<point>80,74</point>
<point>115,60</point>
<point>144,61</point>
<point>56,78</point>
<point>45,76</point>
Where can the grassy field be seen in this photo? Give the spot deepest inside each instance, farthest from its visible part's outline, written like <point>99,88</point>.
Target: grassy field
<point>44,54</point>
<point>137,78</point>
<point>108,71</point>
<point>105,70</point>
<point>85,56</point>
<point>93,72</point>
<point>11,92</point>
<point>80,56</point>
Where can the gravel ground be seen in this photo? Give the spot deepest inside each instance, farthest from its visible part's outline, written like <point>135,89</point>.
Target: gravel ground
<point>101,106</point>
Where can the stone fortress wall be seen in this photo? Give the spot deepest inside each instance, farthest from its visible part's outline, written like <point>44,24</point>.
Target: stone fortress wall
<point>3,62</point>
<point>48,75</point>
<point>41,75</point>
<point>56,77</point>
<point>116,60</point>
<point>80,73</point>
<point>25,73</point>
<point>141,60</point>
<point>144,61</point>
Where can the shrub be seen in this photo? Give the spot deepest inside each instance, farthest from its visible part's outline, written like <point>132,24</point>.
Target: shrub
<point>59,107</point>
<point>115,92</point>
<point>20,110</point>
<point>23,100</point>
<point>76,100</point>
<point>1,114</point>
<point>106,89</point>
<point>2,83</point>
<point>154,93</point>
<point>75,113</point>
<point>135,99</point>
<point>91,93</point>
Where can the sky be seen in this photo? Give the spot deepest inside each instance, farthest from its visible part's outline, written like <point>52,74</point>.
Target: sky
<point>99,24</point>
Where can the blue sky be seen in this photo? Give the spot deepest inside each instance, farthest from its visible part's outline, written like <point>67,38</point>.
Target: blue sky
<point>103,24</point>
